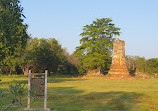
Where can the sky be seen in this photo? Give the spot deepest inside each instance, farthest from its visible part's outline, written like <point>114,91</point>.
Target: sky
<point>64,21</point>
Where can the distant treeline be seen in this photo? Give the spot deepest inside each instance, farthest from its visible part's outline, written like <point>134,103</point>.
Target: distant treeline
<point>149,66</point>
<point>39,55</point>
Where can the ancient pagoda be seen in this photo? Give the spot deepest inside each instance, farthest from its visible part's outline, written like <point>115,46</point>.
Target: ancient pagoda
<point>118,66</point>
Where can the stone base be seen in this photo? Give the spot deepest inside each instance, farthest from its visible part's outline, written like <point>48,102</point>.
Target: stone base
<point>120,76</point>
<point>118,71</point>
<point>117,75</point>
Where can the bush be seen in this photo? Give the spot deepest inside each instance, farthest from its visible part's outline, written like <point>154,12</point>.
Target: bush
<point>1,73</point>
<point>61,69</point>
<point>17,91</point>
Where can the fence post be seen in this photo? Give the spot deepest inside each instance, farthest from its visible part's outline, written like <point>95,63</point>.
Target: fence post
<point>29,84</point>
<point>45,91</point>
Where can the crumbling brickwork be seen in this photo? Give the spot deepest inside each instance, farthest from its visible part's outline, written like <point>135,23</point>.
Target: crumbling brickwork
<point>118,65</point>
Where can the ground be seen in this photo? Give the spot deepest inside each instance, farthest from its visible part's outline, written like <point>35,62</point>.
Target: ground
<point>66,93</point>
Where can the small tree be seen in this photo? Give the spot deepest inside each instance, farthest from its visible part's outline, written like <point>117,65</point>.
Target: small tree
<point>17,91</point>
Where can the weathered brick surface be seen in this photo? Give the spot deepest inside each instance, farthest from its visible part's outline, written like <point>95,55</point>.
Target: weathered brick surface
<point>118,65</point>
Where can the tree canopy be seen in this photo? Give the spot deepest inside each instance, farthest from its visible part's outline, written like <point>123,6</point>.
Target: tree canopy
<point>13,32</point>
<point>42,54</point>
<point>96,44</point>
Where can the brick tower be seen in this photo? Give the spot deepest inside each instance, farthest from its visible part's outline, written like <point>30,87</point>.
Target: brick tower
<point>118,66</point>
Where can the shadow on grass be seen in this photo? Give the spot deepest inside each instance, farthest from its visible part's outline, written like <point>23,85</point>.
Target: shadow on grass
<point>70,99</point>
<point>64,91</point>
<point>63,79</point>
<point>51,79</point>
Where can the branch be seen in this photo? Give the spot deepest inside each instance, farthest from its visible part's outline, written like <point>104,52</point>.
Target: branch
<point>18,104</point>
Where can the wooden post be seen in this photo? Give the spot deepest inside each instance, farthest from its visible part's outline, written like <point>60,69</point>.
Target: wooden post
<point>45,92</point>
<point>29,84</point>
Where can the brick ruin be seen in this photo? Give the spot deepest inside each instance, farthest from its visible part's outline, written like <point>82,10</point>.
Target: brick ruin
<point>118,66</point>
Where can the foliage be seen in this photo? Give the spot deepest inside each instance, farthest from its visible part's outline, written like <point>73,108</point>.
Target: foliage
<point>28,56</point>
<point>13,36</point>
<point>152,66</point>
<point>36,55</point>
<point>17,90</point>
<point>41,54</point>
<point>61,69</point>
<point>96,45</point>
<point>57,56</point>
<point>147,65</point>
<point>141,63</point>
<point>130,62</point>
<point>0,74</point>
<point>1,94</point>
<point>72,64</point>
<point>133,62</point>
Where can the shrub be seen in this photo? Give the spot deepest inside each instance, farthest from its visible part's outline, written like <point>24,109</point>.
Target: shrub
<point>17,90</point>
<point>61,69</point>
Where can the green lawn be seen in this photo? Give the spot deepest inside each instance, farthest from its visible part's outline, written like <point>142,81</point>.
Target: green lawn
<point>92,94</point>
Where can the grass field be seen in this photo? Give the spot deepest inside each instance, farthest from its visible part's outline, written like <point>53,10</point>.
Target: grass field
<point>92,94</point>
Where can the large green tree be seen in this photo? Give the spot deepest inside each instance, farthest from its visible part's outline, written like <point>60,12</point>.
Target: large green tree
<point>13,36</point>
<point>41,54</point>
<point>96,44</point>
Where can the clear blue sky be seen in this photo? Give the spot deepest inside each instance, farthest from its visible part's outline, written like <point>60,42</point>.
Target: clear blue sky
<point>64,20</point>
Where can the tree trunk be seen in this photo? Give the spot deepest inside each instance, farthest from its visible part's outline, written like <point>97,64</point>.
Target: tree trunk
<point>26,71</point>
<point>10,72</point>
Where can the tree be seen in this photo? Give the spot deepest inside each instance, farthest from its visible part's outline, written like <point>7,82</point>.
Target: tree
<point>147,65</point>
<point>152,66</point>
<point>140,63</point>
<point>58,57</point>
<point>96,44</point>
<point>27,57</point>
<point>41,54</point>
<point>71,64</point>
<point>13,36</point>
<point>130,62</point>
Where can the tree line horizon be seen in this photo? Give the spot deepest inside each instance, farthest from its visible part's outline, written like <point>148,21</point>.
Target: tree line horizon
<point>20,52</point>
